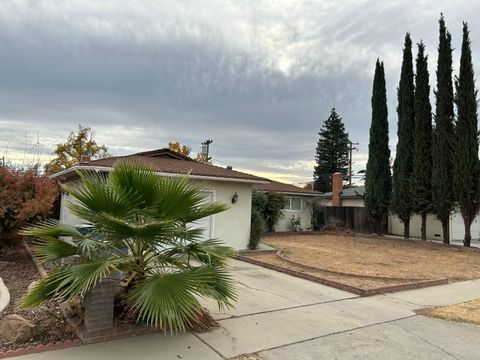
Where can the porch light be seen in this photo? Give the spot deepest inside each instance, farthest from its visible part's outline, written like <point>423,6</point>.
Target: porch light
<point>234,198</point>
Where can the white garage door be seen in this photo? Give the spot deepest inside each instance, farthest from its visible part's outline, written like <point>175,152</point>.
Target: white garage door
<point>457,228</point>
<point>206,223</point>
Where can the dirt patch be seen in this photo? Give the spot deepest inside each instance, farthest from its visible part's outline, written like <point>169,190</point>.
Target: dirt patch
<point>358,261</point>
<point>359,282</point>
<point>468,312</point>
<point>17,272</point>
<point>381,256</point>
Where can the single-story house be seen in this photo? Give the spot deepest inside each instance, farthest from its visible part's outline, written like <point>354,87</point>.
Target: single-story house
<point>299,202</point>
<point>354,196</point>
<point>222,184</point>
<point>342,197</point>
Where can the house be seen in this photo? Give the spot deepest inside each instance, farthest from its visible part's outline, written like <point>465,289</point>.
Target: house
<point>222,184</point>
<point>343,197</point>
<point>355,197</point>
<point>299,204</point>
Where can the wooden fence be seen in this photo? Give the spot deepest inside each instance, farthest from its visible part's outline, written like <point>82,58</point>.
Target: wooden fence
<point>352,217</point>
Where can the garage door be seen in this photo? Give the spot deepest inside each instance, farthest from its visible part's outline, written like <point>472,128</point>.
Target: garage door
<point>457,228</point>
<point>206,223</point>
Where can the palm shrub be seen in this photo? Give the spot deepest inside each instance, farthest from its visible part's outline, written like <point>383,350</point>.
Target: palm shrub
<point>143,221</point>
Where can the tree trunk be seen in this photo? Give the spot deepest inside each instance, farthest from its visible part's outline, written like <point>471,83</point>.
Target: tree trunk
<point>379,226</point>
<point>446,230</point>
<point>406,229</point>
<point>424,226</point>
<point>468,236</point>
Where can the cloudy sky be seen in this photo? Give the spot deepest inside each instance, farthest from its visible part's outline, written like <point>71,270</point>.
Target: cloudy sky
<point>258,77</point>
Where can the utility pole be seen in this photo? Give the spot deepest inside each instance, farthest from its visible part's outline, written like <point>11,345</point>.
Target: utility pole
<point>206,150</point>
<point>351,148</point>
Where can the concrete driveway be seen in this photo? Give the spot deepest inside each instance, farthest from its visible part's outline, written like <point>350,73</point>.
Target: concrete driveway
<point>282,317</point>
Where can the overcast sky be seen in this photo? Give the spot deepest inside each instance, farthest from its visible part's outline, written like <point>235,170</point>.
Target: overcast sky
<point>258,77</point>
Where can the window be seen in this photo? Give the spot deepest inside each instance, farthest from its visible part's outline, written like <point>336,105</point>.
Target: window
<point>293,204</point>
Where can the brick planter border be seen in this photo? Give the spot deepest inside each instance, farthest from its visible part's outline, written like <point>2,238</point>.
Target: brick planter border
<point>85,337</point>
<point>39,348</point>
<point>350,288</point>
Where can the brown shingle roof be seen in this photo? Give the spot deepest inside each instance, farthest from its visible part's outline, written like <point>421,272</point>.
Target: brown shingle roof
<point>284,188</point>
<point>167,161</point>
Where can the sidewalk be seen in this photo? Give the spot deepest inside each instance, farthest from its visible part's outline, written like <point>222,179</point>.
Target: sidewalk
<point>284,317</point>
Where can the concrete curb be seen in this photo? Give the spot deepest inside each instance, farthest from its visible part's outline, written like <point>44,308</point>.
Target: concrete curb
<point>341,286</point>
<point>4,296</point>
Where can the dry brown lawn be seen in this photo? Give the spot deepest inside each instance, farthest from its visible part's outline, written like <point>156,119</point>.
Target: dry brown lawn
<point>373,256</point>
<point>468,312</point>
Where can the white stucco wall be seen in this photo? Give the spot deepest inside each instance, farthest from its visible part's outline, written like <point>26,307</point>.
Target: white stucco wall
<point>231,226</point>
<point>305,215</point>
<point>66,215</point>
<point>353,202</point>
<point>434,227</point>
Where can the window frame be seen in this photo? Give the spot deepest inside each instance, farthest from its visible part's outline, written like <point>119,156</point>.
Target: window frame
<point>289,203</point>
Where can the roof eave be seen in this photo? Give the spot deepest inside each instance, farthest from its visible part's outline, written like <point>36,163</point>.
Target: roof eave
<point>199,177</point>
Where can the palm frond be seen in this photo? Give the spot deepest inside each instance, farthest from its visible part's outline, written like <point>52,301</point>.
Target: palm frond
<point>204,210</point>
<point>51,229</point>
<point>42,291</point>
<point>53,250</point>
<point>168,300</point>
<point>95,195</point>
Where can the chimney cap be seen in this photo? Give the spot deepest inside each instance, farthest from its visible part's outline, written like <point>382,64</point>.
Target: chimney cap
<point>84,159</point>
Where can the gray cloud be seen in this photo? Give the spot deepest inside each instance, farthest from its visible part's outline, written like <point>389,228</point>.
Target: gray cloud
<point>258,77</point>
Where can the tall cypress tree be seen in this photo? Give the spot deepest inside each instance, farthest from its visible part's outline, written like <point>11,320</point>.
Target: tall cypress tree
<point>442,146</point>
<point>378,182</point>
<point>466,162</point>
<point>332,152</point>
<point>422,157</point>
<point>402,204</point>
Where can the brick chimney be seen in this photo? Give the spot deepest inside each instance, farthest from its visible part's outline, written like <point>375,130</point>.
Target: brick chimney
<point>84,159</point>
<point>337,188</point>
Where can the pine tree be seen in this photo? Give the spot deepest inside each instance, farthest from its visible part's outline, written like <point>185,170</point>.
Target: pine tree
<point>401,203</point>
<point>422,157</point>
<point>466,162</point>
<point>378,182</point>
<point>442,146</point>
<point>332,152</point>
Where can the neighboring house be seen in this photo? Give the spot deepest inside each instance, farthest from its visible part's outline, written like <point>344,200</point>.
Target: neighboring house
<point>299,204</point>
<point>222,184</point>
<point>355,197</point>
<point>343,197</point>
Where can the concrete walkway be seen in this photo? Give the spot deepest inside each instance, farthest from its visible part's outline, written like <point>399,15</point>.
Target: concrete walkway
<point>283,317</point>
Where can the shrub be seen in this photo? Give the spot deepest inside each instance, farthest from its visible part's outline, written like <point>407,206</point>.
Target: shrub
<point>25,196</point>
<point>256,229</point>
<point>295,223</point>
<point>270,206</point>
<point>273,211</point>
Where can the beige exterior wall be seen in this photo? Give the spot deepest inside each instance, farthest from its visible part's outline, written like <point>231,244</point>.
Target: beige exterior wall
<point>305,215</point>
<point>231,226</point>
<point>325,202</point>
<point>353,202</point>
<point>434,227</point>
<point>344,202</point>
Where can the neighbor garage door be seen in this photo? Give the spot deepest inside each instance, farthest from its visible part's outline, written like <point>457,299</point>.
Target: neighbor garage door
<point>457,228</point>
<point>206,223</point>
